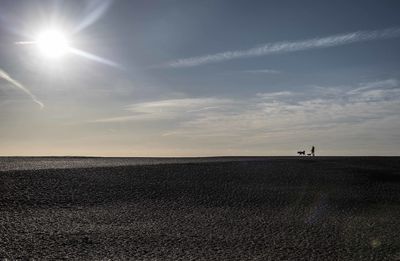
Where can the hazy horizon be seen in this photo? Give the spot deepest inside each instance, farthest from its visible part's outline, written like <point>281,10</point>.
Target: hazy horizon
<point>199,78</point>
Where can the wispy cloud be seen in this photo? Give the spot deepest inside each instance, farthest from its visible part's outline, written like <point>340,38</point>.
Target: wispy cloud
<point>262,71</point>
<point>292,117</point>
<point>170,109</point>
<point>285,47</point>
<point>5,76</point>
<point>329,115</point>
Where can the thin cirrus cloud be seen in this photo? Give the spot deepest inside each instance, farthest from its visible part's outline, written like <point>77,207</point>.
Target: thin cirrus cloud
<point>337,116</point>
<point>286,47</point>
<point>170,109</point>
<point>16,84</point>
<point>276,112</point>
<point>262,71</point>
<point>280,116</point>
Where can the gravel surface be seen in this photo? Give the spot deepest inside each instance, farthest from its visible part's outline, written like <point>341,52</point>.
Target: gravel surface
<point>304,208</point>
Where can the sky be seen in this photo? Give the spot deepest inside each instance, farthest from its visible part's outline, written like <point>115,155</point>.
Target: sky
<point>201,78</point>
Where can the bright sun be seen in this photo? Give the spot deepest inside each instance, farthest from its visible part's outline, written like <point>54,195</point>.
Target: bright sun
<point>52,43</point>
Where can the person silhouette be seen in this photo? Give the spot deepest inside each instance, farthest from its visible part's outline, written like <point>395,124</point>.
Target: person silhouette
<point>313,150</point>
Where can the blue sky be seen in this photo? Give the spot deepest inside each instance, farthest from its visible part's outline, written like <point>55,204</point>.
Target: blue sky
<point>197,78</point>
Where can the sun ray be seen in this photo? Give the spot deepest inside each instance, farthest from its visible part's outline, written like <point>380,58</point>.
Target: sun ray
<point>26,42</point>
<point>96,9</point>
<point>93,57</point>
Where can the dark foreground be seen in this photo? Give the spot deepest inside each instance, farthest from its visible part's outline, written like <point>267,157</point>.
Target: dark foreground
<point>247,209</point>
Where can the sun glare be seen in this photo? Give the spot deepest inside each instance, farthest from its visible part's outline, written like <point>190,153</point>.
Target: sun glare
<point>52,44</point>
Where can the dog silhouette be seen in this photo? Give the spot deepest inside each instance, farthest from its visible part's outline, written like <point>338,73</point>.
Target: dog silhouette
<point>301,152</point>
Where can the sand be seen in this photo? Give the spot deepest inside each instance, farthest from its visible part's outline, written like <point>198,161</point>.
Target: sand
<point>283,208</point>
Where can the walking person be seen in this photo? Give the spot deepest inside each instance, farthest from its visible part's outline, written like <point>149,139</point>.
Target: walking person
<point>313,151</point>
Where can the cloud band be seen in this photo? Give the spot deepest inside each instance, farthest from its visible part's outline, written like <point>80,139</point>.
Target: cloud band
<point>285,47</point>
